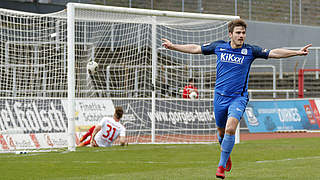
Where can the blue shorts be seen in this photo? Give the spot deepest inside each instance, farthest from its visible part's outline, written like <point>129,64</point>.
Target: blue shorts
<point>226,106</point>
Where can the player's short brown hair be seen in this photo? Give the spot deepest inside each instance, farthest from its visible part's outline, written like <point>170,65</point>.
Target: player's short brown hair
<point>118,112</point>
<point>235,23</point>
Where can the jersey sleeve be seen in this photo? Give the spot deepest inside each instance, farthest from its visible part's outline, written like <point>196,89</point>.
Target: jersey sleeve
<point>209,48</point>
<point>258,52</point>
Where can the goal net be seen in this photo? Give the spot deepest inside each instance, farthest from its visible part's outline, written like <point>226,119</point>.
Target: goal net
<point>49,99</point>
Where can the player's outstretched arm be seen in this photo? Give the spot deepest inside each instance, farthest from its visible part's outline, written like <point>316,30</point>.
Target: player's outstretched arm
<point>284,53</point>
<point>123,141</point>
<point>186,48</point>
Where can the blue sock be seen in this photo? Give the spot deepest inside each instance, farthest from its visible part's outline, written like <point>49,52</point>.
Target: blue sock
<point>220,138</point>
<point>227,146</point>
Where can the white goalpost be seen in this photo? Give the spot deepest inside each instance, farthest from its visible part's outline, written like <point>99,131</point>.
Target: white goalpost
<point>49,99</point>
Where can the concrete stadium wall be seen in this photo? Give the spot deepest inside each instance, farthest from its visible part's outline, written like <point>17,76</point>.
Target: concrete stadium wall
<point>277,35</point>
<point>274,35</point>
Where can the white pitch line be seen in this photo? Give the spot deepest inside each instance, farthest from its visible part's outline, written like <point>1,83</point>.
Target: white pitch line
<point>289,159</point>
<point>140,162</point>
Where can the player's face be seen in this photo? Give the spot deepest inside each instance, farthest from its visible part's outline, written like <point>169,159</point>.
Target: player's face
<point>237,36</point>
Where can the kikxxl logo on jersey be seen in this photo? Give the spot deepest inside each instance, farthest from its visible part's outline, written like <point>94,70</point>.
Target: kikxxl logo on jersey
<point>231,58</point>
<point>32,116</point>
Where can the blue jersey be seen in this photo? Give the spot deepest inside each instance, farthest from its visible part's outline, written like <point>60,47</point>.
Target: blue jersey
<point>233,66</point>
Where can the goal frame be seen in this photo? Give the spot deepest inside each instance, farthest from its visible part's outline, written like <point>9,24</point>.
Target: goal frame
<point>71,10</point>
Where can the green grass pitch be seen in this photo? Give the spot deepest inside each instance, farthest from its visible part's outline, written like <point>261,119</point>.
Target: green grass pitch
<point>292,159</point>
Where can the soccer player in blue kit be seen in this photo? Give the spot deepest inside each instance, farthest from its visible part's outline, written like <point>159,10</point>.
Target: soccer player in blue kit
<point>234,59</point>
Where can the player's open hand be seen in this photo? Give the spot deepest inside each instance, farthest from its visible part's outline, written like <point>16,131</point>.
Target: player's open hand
<point>93,143</point>
<point>304,51</point>
<point>166,43</point>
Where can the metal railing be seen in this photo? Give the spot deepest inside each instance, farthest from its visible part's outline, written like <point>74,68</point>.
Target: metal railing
<point>287,91</point>
<point>191,69</point>
<point>315,64</point>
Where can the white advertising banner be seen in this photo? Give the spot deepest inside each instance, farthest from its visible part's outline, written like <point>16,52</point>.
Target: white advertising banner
<point>90,111</point>
<point>42,123</point>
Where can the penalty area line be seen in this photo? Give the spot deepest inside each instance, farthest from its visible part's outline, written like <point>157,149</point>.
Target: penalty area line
<point>289,159</point>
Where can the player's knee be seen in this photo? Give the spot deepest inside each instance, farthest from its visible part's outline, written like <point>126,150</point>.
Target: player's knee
<point>230,131</point>
<point>231,128</point>
<point>232,125</point>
